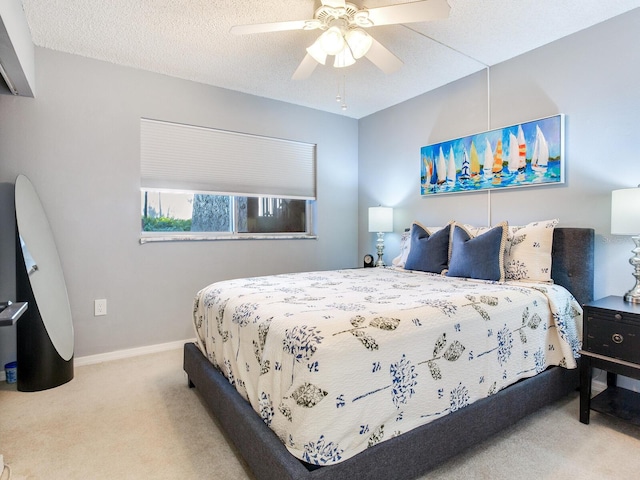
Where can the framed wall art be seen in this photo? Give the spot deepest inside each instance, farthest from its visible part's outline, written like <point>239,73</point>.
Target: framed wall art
<point>523,155</point>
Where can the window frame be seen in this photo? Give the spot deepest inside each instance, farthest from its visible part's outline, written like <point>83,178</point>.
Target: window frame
<point>172,236</point>
<point>206,155</point>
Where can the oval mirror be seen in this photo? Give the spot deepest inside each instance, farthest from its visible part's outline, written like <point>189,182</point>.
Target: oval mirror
<point>47,330</point>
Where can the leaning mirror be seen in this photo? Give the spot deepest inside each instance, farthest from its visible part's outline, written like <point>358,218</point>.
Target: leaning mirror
<point>45,332</point>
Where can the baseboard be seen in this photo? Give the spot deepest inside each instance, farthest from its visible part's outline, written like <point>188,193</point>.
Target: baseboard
<point>129,353</point>
<point>121,354</point>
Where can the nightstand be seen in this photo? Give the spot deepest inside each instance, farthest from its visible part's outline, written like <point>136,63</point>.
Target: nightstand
<point>611,342</point>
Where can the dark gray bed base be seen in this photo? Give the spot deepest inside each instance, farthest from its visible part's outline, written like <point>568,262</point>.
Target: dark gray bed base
<point>417,451</point>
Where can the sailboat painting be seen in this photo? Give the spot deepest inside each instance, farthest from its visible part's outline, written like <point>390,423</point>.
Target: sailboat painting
<point>522,155</point>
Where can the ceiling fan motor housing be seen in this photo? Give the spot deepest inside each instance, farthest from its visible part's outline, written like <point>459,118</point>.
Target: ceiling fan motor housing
<point>325,16</point>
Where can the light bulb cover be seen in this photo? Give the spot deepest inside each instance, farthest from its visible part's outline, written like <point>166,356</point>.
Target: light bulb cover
<point>317,52</point>
<point>344,58</point>
<point>359,42</point>
<point>332,41</point>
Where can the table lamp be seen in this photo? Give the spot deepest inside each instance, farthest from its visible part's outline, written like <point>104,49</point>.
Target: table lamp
<point>380,221</point>
<point>625,220</point>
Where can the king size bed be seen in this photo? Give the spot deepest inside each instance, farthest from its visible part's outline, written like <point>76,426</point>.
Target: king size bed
<point>386,373</point>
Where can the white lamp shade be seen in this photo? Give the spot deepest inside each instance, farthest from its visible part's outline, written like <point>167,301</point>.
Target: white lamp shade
<point>344,59</point>
<point>316,51</point>
<point>359,42</point>
<point>380,219</point>
<point>625,211</point>
<point>332,41</point>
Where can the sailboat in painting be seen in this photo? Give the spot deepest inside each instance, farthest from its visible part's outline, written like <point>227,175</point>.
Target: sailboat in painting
<point>441,168</point>
<point>497,160</point>
<point>540,156</point>
<point>514,154</point>
<point>433,171</point>
<point>475,162</point>
<point>464,171</point>
<point>522,151</point>
<point>428,172</point>
<point>488,160</point>
<point>451,168</point>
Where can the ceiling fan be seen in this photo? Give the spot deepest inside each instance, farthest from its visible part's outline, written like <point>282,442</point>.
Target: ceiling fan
<point>344,36</point>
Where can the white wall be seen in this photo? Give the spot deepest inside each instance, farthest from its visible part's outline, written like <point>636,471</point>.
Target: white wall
<point>591,76</point>
<point>78,142</point>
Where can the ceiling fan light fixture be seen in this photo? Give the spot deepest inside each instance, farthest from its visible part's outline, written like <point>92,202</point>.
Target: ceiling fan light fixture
<point>344,58</point>
<point>361,18</point>
<point>342,36</point>
<point>312,24</point>
<point>317,52</point>
<point>359,42</point>
<point>332,41</point>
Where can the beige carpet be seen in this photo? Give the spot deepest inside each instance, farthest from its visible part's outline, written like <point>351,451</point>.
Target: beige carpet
<point>136,419</point>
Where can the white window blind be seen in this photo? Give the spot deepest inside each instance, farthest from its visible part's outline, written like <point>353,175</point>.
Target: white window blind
<point>186,157</point>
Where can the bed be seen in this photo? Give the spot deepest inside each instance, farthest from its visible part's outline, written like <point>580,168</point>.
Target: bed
<point>421,447</point>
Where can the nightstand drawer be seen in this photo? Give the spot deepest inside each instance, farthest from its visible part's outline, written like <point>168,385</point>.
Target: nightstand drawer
<point>612,337</point>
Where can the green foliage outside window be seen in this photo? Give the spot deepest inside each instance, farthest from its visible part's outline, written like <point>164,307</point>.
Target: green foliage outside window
<point>165,224</point>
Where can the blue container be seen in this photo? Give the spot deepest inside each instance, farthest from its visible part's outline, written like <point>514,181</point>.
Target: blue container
<point>11,372</point>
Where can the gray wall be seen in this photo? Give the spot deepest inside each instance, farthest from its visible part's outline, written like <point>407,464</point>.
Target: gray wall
<point>78,142</point>
<point>591,76</point>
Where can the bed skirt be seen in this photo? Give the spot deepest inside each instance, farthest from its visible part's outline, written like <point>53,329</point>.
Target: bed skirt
<point>404,457</point>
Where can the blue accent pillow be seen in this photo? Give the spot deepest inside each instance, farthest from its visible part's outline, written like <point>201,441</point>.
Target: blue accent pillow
<point>480,257</point>
<point>429,251</point>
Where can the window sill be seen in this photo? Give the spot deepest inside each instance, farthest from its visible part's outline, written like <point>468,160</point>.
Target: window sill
<point>157,237</point>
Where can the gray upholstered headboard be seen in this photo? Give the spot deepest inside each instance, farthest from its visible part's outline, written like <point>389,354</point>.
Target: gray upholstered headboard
<point>572,261</point>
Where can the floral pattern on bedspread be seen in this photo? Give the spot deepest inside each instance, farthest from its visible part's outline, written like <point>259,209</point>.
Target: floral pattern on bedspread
<point>338,361</point>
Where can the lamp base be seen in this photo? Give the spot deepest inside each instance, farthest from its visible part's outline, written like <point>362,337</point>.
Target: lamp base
<point>633,295</point>
<point>380,249</point>
<point>630,297</point>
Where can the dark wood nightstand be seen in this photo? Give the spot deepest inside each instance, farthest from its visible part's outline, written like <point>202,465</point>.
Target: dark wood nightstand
<point>611,342</point>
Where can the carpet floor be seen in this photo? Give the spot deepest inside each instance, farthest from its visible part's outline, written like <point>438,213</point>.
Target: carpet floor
<point>137,419</point>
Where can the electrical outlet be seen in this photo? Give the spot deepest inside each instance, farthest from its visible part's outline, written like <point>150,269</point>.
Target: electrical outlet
<point>99,307</point>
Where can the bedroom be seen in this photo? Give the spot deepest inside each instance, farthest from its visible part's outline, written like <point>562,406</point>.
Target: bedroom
<point>79,143</point>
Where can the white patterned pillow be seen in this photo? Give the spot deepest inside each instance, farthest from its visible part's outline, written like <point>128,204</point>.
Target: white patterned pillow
<point>528,255</point>
<point>405,246</point>
<point>475,231</point>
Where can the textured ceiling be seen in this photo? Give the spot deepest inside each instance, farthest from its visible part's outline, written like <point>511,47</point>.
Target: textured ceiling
<point>190,39</point>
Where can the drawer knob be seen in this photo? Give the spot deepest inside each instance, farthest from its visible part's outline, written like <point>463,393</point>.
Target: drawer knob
<point>617,338</point>
<point>618,316</point>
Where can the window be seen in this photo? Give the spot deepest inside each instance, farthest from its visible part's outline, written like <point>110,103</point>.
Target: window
<point>165,211</point>
<point>204,183</point>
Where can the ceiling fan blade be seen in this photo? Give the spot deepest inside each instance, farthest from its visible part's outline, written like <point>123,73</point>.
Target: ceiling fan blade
<point>423,11</point>
<point>268,27</point>
<point>382,58</point>
<point>305,69</point>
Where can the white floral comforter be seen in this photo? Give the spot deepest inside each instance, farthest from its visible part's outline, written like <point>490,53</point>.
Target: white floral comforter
<point>338,361</point>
